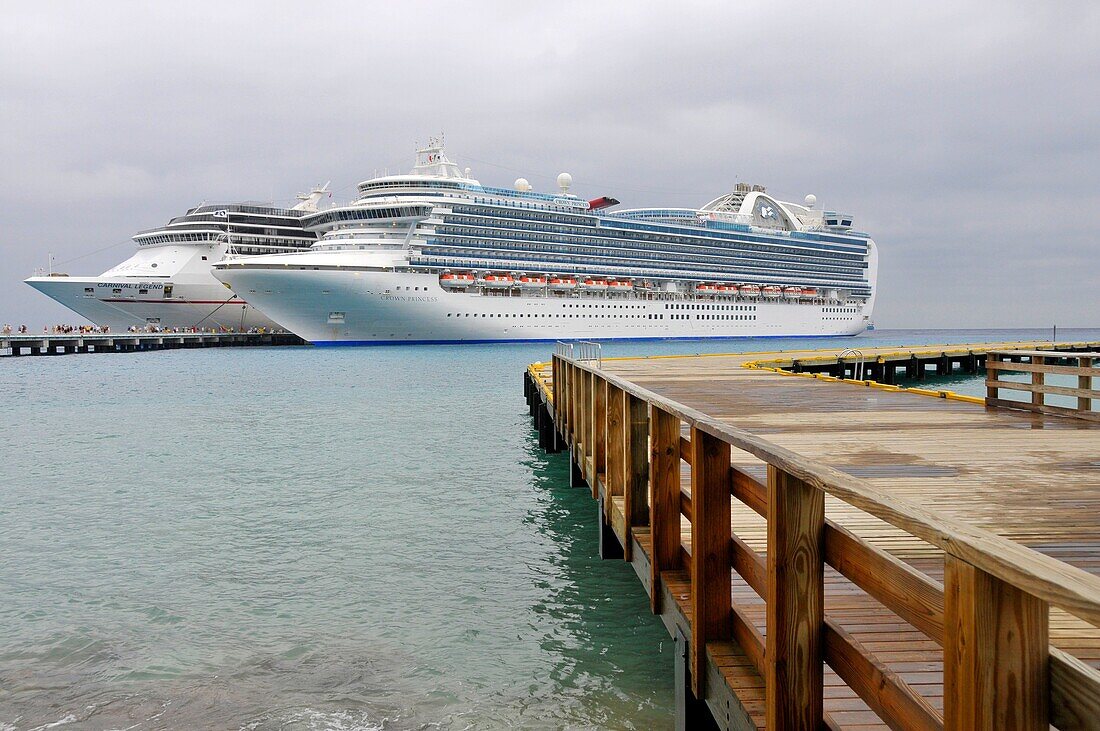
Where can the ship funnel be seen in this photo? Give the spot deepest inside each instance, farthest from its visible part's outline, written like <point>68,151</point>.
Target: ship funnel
<point>308,201</point>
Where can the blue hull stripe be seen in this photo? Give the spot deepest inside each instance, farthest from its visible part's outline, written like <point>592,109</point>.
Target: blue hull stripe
<point>346,343</point>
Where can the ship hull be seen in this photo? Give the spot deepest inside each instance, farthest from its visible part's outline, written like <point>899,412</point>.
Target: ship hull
<point>121,302</point>
<point>345,306</point>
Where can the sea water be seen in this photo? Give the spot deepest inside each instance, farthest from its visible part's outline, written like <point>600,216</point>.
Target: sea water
<point>318,538</point>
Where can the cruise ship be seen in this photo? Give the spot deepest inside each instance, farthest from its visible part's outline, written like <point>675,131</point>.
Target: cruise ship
<point>167,283</point>
<point>436,257</point>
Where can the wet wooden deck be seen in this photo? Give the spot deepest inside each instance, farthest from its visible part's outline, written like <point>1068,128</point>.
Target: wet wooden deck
<point>1033,479</point>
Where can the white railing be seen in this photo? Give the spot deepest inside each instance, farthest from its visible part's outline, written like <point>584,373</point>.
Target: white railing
<point>857,371</point>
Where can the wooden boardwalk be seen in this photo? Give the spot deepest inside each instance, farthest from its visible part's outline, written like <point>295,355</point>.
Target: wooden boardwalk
<point>915,493</point>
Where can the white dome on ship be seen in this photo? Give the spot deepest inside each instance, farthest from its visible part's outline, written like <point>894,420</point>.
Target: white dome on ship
<point>811,200</point>
<point>564,181</point>
<point>522,184</point>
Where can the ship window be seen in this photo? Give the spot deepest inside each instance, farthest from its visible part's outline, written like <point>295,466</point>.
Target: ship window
<point>143,291</point>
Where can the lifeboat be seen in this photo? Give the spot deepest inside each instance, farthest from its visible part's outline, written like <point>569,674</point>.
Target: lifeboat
<point>621,285</point>
<point>497,281</point>
<point>594,285</point>
<point>562,284</point>
<point>772,291</point>
<point>727,290</point>
<point>456,280</point>
<point>809,293</point>
<point>706,288</point>
<point>792,293</point>
<point>532,281</point>
<point>750,290</point>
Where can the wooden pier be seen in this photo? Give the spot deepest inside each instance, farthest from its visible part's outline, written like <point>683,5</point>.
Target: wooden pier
<point>65,344</point>
<point>835,554</point>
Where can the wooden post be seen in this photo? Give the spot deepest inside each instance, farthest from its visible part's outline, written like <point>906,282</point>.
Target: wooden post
<point>710,549</point>
<point>1038,379</point>
<point>571,401</point>
<point>584,408</point>
<point>635,466</point>
<point>664,501</point>
<point>613,473</point>
<point>991,392</point>
<point>1084,403</point>
<point>599,432</point>
<point>995,653</point>
<point>795,603</point>
<point>556,388</point>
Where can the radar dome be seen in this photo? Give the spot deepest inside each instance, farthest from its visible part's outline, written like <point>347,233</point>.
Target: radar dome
<point>564,181</point>
<point>811,200</point>
<point>521,184</point>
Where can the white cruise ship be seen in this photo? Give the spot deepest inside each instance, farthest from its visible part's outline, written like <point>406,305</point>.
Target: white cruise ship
<point>168,282</point>
<point>436,257</point>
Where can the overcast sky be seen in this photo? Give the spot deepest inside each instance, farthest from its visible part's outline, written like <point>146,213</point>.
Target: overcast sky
<point>965,137</point>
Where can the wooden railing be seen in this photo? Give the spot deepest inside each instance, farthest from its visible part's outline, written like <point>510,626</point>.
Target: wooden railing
<point>1040,364</point>
<point>990,615</point>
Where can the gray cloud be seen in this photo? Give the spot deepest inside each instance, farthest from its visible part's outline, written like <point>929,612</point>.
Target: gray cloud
<point>966,139</point>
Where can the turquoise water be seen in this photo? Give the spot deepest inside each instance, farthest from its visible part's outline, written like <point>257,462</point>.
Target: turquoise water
<point>301,538</point>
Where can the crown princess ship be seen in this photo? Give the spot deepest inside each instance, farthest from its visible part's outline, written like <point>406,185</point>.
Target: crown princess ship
<point>436,257</point>
<point>167,283</point>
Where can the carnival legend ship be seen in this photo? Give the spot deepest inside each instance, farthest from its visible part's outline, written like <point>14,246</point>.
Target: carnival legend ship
<point>436,257</point>
<point>167,282</point>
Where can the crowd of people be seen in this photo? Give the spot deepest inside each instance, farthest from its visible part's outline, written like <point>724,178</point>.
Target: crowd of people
<point>150,328</point>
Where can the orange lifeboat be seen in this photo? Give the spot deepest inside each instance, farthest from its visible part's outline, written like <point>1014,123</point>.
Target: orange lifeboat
<point>594,285</point>
<point>705,288</point>
<point>750,290</point>
<point>772,291</point>
<point>562,284</point>
<point>621,285</point>
<point>792,293</point>
<point>727,290</point>
<point>497,281</point>
<point>456,280</point>
<point>809,293</point>
<point>532,281</point>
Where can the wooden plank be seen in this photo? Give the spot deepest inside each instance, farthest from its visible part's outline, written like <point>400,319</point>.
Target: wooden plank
<point>905,591</point>
<point>685,450</point>
<point>1039,368</point>
<point>710,549</point>
<point>1046,388</point>
<point>749,565</point>
<point>1045,409</point>
<point>664,500</point>
<point>795,602</point>
<point>1046,353</point>
<point>748,637</point>
<point>996,667</point>
<point>1074,692</point>
<point>884,691</point>
<point>748,490</point>
<point>635,466</point>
